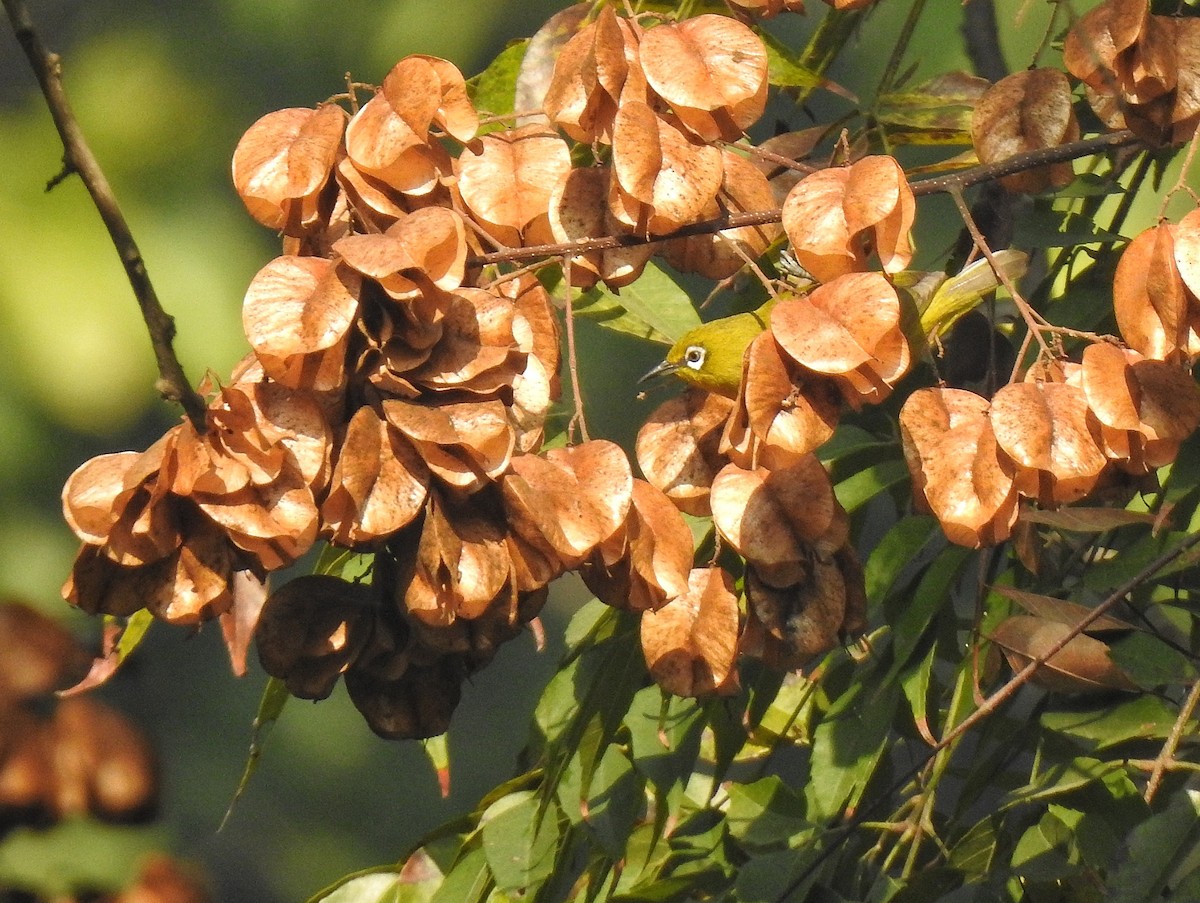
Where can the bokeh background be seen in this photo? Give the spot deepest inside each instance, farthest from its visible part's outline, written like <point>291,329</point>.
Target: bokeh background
<point>163,89</point>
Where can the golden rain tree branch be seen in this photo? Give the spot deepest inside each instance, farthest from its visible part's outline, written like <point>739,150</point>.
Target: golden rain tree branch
<point>939,185</point>
<point>78,159</point>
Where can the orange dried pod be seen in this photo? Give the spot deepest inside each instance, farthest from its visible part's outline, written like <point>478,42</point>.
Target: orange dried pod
<point>744,189</point>
<point>37,656</point>
<point>1146,408</point>
<point>380,144</point>
<point>712,70</point>
<point>568,501</point>
<point>659,166</point>
<point>830,215</point>
<point>1186,252</point>
<point>284,161</point>
<point>690,644</point>
<point>1026,111</point>
<point>676,448</point>
<point>426,247</point>
<point>647,562</point>
<point>297,308</point>
<point>840,326</point>
<point>579,210</point>
<point>805,620</point>
<point>774,516</point>
<point>1150,299</point>
<point>1047,430</point>
<point>465,444</point>
<point>1094,47</point>
<point>590,77</point>
<point>957,466</point>
<point>424,90</point>
<point>379,483</point>
<point>506,179</point>
<point>462,564</point>
<point>784,406</point>
<point>311,630</point>
<point>478,351</point>
<point>103,764</point>
<point>416,705</point>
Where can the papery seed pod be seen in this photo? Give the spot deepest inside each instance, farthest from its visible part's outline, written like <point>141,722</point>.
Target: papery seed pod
<point>690,644</point>
<point>103,765</point>
<point>417,705</point>
<point>597,68</point>
<point>27,778</point>
<point>311,630</point>
<point>282,164</point>
<point>957,465</point>
<point>834,216</point>
<point>806,618</point>
<point>1026,111</point>
<point>643,565</point>
<point>677,448</point>
<point>506,180</point>
<point>37,655</point>
<point>712,70</point>
<point>161,879</point>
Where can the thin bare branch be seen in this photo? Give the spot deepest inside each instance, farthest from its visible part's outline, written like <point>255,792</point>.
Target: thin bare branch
<point>1166,756</point>
<point>78,159</point>
<point>942,184</point>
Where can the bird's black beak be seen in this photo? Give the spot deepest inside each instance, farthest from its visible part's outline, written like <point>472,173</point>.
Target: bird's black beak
<point>664,367</point>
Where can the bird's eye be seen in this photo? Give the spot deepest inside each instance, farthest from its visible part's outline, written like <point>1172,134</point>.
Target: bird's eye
<point>694,357</point>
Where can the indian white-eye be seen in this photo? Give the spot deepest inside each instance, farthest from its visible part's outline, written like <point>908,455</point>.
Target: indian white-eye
<point>710,355</point>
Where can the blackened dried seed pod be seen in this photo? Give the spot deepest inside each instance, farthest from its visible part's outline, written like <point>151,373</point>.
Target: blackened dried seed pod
<point>311,630</point>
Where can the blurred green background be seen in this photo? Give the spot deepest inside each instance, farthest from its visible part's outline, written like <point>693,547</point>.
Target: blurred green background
<point>163,90</point>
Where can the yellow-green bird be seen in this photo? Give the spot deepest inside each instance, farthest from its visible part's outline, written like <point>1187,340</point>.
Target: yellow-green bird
<point>710,355</point>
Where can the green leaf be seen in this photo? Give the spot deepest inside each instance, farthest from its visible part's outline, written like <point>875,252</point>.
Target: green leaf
<point>849,439</point>
<point>776,877</point>
<point>899,549</point>
<point>584,703</point>
<point>58,860</point>
<point>1154,850</point>
<point>975,851</point>
<point>1042,853</point>
<point>494,89</point>
<point>664,739</point>
<point>855,491</point>
<point>437,751</point>
<point>270,706</point>
<point>915,683</point>
<point>847,746</point>
<point>1062,778</point>
<point>1150,662</point>
<point>655,307</point>
<point>468,881</point>
<point>784,66</point>
<point>616,799</point>
<point>932,592</point>
<point>377,887</point>
<point>935,112</point>
<point>766,814</point>
<point>519,841</point>
<point>1144,718</point>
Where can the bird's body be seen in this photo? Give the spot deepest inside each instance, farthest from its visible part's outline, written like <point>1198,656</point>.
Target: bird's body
<point>710,355</point>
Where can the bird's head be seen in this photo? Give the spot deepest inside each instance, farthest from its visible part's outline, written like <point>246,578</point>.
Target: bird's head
<point>710,355</point>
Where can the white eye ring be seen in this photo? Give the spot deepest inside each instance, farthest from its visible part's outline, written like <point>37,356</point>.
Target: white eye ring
<point>694,357</point>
